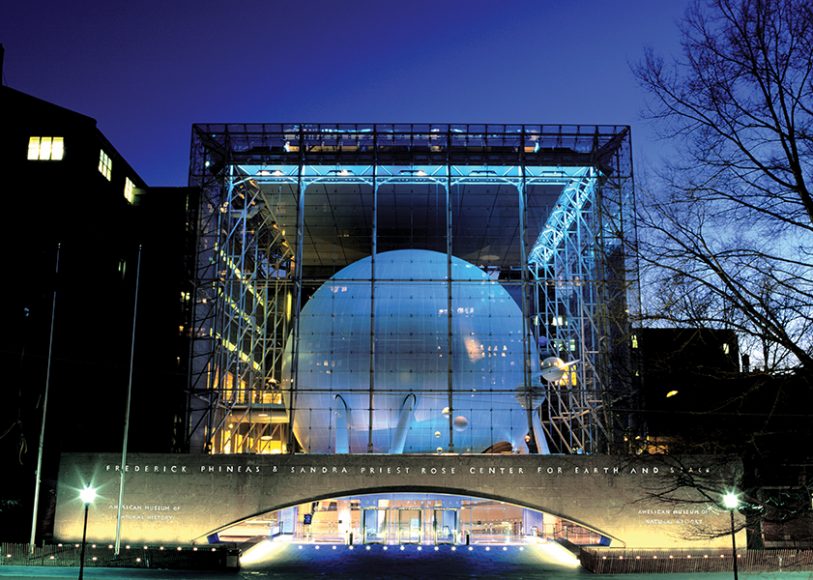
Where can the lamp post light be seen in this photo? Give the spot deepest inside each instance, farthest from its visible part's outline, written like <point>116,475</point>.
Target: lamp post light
<point>731,501</point>
<point>87,495</point>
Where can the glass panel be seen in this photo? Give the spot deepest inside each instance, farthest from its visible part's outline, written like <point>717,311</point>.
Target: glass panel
<point>411,352</point>
<point>485,222</point>
<point>375,525</point>
<point>412,216</point>
<point>409,526</point>
<point>445,526</point>
<point>338,227</point>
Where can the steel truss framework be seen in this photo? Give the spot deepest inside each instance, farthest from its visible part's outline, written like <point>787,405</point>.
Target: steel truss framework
<point>576,275</point>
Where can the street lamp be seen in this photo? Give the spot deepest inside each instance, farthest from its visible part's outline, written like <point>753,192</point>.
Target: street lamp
<point>731,501</point>
<point>87,495</point>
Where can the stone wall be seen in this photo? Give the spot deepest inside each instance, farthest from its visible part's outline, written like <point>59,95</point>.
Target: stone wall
<point>636,502</point>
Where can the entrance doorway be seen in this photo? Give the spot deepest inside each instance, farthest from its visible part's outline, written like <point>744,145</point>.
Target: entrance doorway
<point>445,525</point>
<point>409,526</point>
<point>375,525</point>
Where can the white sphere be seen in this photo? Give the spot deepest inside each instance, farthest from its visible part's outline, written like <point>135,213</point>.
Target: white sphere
<point>411,350</point>
<point>553,369</point>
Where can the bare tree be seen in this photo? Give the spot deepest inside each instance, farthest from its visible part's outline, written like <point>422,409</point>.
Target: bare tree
<point>727,232</point>
<point>726,236</point>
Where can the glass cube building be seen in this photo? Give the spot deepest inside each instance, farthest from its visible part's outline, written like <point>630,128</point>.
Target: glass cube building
<point>369,288</point>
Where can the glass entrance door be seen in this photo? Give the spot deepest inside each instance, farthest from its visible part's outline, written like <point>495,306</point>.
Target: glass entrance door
<point>374,525</point>
<point>445,527</point>
<point>409,526</point>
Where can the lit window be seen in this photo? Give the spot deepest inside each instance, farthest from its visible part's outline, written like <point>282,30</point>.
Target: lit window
<point>46,148</point>
<point>726,348</point>
<point>105,165</point>
<point>634,341</point>
<point>129,190</point>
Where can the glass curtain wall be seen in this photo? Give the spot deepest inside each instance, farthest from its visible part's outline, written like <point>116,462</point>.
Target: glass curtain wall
<point>394,288</point>
<point>409,329</point>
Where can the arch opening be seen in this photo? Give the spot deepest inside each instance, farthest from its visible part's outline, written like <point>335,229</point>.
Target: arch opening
<point>410,517</point>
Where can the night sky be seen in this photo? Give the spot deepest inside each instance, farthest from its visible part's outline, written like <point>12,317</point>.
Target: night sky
<point>148,70</point>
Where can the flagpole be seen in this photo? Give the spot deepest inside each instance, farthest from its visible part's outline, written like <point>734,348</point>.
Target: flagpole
<point>127,409</point>
<point>38,477</point>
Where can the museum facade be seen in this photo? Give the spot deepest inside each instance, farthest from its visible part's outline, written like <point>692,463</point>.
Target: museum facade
<point>406,334</point>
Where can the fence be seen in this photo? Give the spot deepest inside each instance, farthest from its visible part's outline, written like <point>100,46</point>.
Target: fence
<point>135,556</point>
<point>621,561</point>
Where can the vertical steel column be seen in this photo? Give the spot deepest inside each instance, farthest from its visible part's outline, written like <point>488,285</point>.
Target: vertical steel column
<point>223,322</point>
<point>300,242</point>
<point>220,358</point>
<point>564,332</point>
<point>608,210</point>
<point>203,383</point>
<point>374,250</point>
<point>523,256</point>
<point>237,323</point>
<point>584,330</point>
<point>220,323</point>
<point>265,346</point>
<point>449,327</point>
<point>200,345</point>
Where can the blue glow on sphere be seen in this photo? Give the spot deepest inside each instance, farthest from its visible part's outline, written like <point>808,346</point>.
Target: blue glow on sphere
<point>411,354</point>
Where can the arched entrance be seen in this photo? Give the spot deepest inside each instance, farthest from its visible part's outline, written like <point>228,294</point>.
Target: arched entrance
<point>410,517</point>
